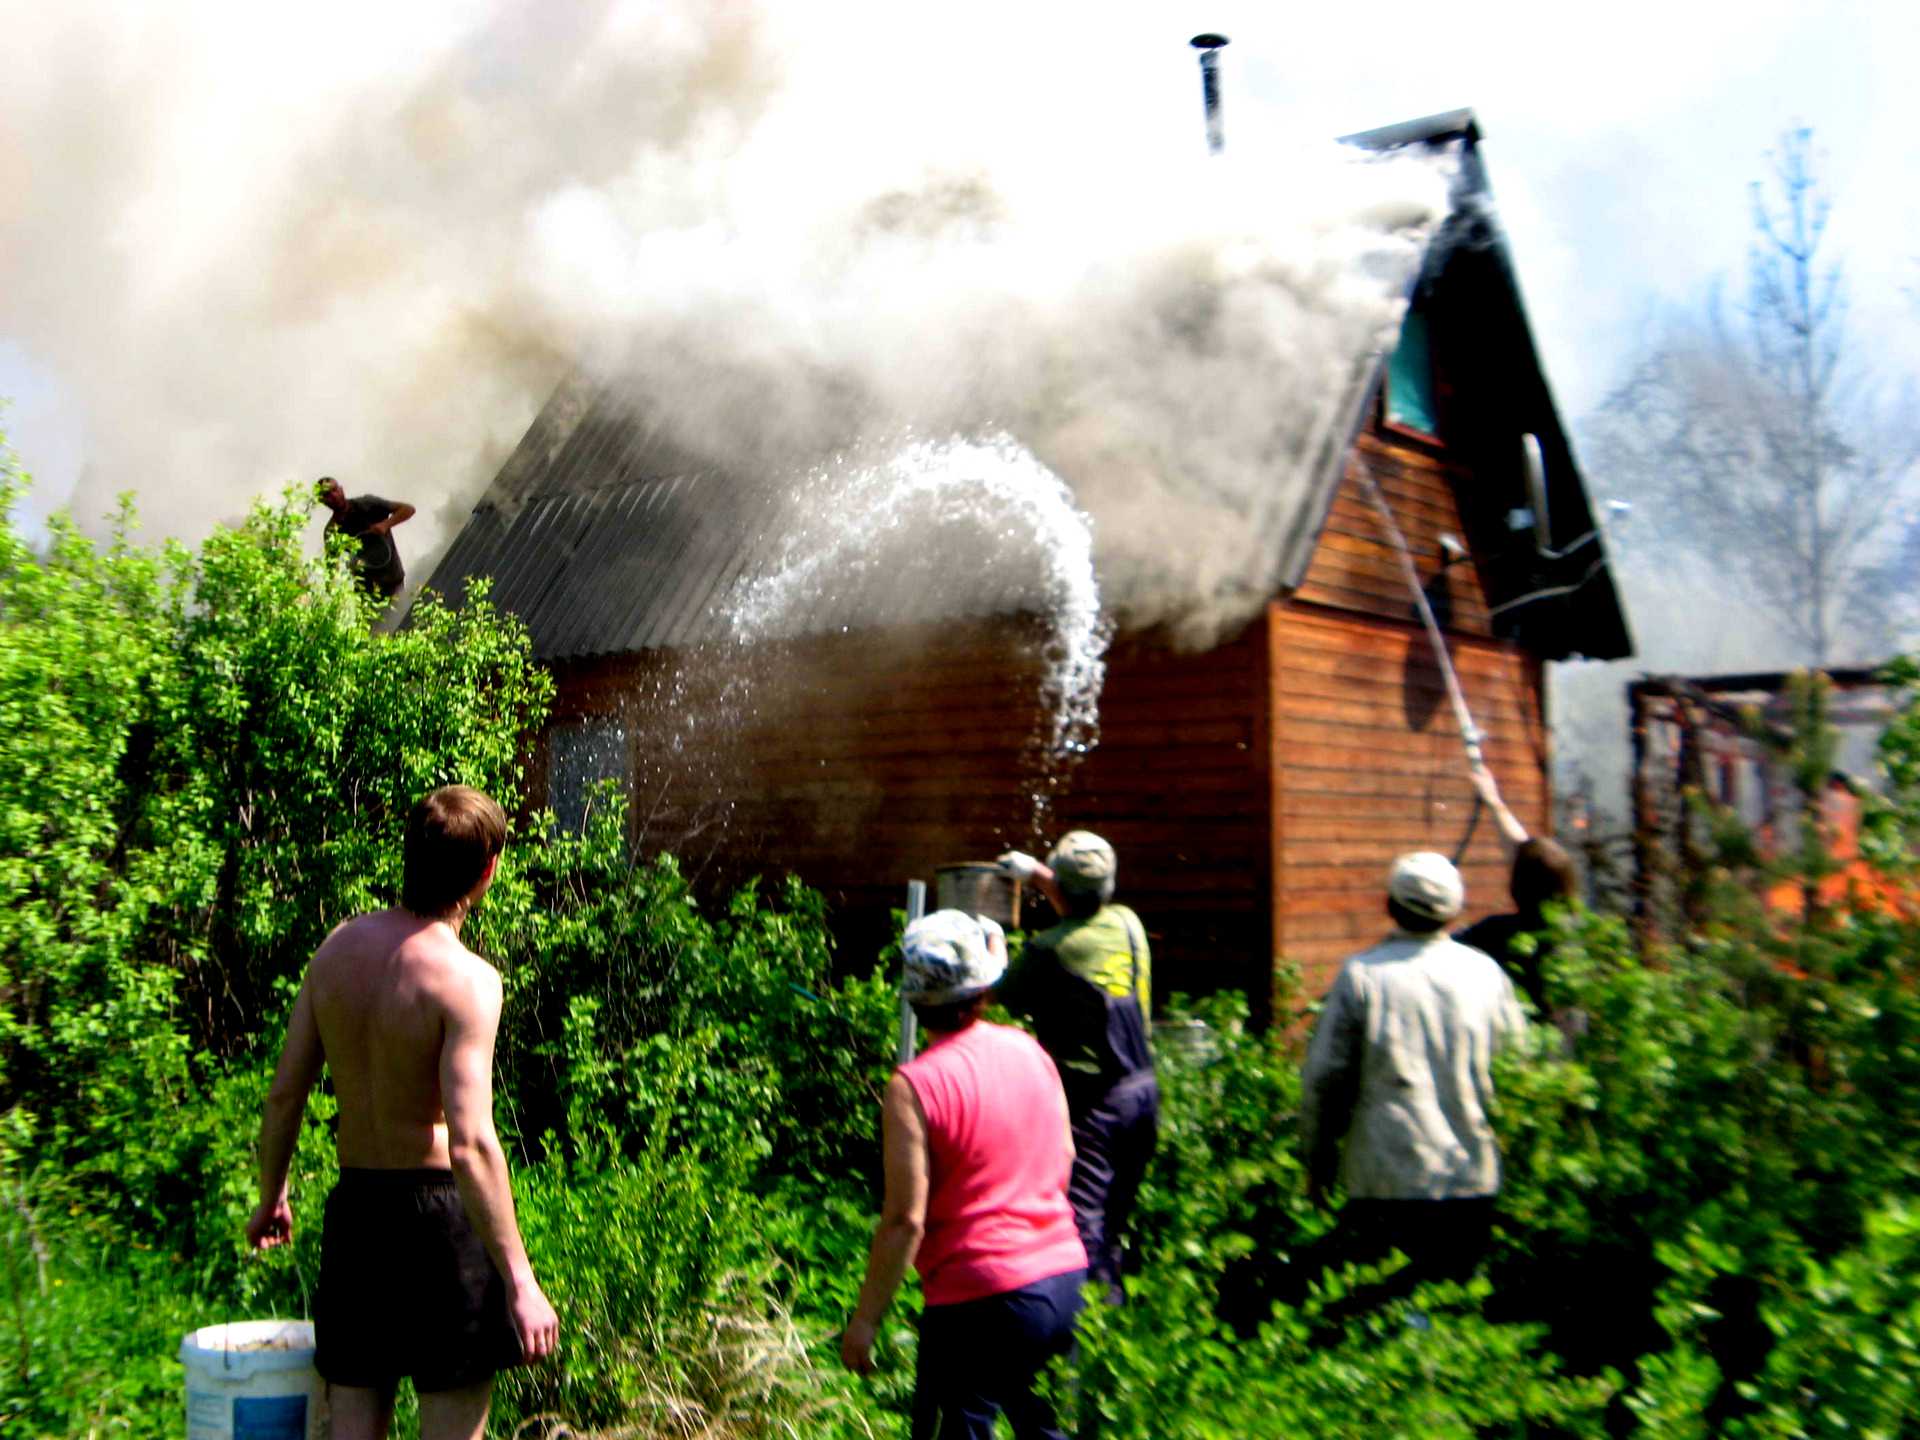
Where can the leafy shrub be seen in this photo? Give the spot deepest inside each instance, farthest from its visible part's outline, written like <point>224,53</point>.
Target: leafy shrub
<point>1228,1330</point>
<point>205,761</point>
<point>1168,1369</point>
<point>616,975</point>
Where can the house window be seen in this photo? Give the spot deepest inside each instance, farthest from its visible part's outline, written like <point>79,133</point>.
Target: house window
<point>580,756</point>
<point>1411,402</point>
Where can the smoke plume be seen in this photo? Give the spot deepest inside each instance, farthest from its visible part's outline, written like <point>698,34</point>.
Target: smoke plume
<point>369,240</point>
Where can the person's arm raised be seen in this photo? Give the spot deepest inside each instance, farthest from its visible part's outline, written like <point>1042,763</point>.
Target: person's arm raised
<point>398,515</point>
<point>1023,867</point>
<point>300,1060</point>
<point>1512,833</point>
<point>473,1148</point>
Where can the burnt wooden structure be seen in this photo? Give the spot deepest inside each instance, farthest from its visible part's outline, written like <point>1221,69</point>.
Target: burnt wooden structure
<point>1718,748</point>
<point>1255,792</point>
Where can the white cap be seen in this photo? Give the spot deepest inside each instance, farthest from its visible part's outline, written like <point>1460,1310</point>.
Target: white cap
<point>1426,883</point>
<point>950,955</point>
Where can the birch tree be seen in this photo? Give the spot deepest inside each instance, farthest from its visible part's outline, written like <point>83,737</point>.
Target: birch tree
<point>1759,439</point>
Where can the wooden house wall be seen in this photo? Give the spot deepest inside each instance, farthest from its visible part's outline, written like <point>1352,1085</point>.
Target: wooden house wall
<point>1367,764</point>
<point>1179,784</point>
<point>1366,751</point>
<point>1255,793</point>
<point>1355,566</point>
<point>854,762</point>
<point>860,762</point>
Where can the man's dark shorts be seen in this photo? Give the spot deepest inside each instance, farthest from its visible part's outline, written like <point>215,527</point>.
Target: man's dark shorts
<point>406,1287</point>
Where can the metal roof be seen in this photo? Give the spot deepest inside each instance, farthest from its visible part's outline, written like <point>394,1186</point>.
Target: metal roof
<point>605,540</point>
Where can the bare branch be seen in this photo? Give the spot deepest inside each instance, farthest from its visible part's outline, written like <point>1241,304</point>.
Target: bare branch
<point>1756,438</point>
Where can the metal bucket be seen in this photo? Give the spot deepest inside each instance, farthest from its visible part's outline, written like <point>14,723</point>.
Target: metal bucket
<point>979,888</point>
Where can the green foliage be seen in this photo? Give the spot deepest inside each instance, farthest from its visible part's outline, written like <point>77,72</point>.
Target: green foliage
<point>1168,1370</point>
<point>1226,1170</point>
<point>1685,1186</point>
<point>90,1329</point>
<point>206,760</point>
<point>630,1007</point>
<point>1209,1348</point>
<point>1846,1353</point>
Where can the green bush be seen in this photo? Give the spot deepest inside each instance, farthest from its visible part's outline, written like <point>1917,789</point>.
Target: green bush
<point>205,762</point>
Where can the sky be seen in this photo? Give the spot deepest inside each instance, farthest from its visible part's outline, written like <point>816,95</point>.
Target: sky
<point>243,245</point>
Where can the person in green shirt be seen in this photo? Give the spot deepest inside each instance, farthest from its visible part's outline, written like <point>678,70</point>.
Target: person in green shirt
<point>1087,986</point>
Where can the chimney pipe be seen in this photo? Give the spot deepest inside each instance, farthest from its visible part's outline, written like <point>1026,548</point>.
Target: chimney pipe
<point>1209,47</point>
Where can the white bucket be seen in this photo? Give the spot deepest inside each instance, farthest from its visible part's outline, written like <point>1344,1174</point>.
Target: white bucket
<point>253,1380</point>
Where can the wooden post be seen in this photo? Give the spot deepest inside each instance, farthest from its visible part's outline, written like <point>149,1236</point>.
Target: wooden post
<point>1695,857</point>
<point>1646,823</point>
<point>916,907</point>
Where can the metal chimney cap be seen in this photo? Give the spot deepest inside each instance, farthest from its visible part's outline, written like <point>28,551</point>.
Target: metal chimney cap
<point>1209,41</point>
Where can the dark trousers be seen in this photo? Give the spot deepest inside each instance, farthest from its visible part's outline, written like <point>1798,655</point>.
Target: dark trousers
<point>1442,1240</point>
<point>980,1357</point>
<point>1112,1143</point>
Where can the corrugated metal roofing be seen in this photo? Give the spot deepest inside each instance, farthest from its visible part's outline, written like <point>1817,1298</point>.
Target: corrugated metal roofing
<point>600,552</point>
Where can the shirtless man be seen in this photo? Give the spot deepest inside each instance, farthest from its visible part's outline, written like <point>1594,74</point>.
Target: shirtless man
<point>422,1271</point>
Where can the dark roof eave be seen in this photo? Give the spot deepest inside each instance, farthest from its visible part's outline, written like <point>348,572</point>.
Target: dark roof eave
<point>1428,130</point>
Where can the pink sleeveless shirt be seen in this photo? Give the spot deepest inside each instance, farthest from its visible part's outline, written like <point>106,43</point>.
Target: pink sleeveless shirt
<point>1000,1152</point>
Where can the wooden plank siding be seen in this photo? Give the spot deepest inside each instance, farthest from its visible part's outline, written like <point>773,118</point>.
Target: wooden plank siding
<point>1367,759</point>
<point>1366,763</point>
<point>1355,566</point>
<point>860,762</point>
<point>1189,820</point>
<point>1256,793</point>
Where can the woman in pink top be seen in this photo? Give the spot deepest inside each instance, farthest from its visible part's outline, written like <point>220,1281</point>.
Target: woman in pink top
<point>978,1151</point>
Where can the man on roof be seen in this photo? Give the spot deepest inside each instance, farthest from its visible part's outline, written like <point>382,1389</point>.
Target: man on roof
<point>1087,984</point>
<point>370,520</point>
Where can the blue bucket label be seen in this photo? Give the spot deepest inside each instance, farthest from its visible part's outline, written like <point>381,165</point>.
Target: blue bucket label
<point>270,1417</point>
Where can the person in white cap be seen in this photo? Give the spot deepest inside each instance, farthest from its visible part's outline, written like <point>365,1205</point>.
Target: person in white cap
<point>1399,1070</point>
<point>977,1152</point>
<point>1087,984</point>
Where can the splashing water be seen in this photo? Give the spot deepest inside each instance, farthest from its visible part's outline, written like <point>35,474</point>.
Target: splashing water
<point>940,530</point>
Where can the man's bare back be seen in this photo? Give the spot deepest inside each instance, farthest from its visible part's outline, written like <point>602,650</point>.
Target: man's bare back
<point>404,1018</point>
<point>384,988</point>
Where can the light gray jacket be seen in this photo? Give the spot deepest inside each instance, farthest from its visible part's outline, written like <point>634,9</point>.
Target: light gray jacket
<point>1399,1064</point>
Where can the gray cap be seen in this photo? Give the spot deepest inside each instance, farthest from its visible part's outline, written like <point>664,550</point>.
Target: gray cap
<point>1082,863</point>
<point>1426,883</point>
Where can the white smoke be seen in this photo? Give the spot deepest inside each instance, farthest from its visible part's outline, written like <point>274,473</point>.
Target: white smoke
<point>367,241</point>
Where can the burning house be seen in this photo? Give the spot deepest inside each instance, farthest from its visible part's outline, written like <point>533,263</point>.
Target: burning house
<point>1255,779</point>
